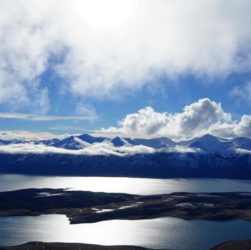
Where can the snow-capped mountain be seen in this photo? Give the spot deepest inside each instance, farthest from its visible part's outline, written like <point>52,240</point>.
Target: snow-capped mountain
<point>210,143</point>
<point>91,139</point>
<point>206,156</point>
<point>207,143</point>
<point>72,142</point>
<point>204,144</point>
<point>242,142</point>
<point>78,142</point>
<point>160,142</point>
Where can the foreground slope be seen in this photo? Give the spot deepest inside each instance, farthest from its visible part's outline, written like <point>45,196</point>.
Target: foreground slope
<point>68,246</point>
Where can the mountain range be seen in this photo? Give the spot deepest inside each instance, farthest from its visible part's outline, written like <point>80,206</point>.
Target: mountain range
<point>205,156</point>
<point>207,143</point>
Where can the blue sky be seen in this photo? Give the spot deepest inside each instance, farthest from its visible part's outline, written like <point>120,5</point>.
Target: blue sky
<point>90,65</point>
<point>171,96</point>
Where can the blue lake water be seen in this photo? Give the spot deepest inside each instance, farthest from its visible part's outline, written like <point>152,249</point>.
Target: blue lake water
<point>165,233</point>
<point>124,185</point>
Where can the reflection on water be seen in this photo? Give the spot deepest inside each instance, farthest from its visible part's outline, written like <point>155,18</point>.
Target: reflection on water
<point>165,233</point>
<point>123,184</point>
<point>162,233</point>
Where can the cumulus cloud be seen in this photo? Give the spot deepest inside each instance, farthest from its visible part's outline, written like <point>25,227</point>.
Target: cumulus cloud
<point>198,118</point>
<point>243,128</point>
<point>117,45</point>
<point>145,121</point>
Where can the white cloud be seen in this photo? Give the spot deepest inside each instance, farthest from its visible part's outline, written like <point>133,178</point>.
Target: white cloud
<point>180,149</point>
<point>145,121</point>
<point>117,45</point>
<point>104,148</point>
<point>43,101</point>
<point>31,148</point>
<point>201,117</point>
<point>86,110</point>
<point>233,129</point>
<point>138,149</point>
<point>243,128</point>
<point>32,117</point>
<point>242,92</point>
<point>27,135</point>
<point>242,151</point>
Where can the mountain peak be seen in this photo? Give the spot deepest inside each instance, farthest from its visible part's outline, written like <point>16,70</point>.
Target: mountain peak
<point>91,139</point>
<point>119,141</point>
<point>211,143</point>
<point>209,137</point>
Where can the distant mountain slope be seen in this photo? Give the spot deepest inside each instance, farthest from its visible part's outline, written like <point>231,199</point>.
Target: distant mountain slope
<point>158,165</point>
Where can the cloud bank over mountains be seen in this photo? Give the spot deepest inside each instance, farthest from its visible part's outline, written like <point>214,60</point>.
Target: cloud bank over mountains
<point>201,117</point>
<point>103,49</point>
<point>87,145</point>
<point>104,148</point>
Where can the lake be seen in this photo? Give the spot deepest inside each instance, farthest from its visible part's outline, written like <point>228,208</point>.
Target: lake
<point>165,233</point>
<point>141,186</point>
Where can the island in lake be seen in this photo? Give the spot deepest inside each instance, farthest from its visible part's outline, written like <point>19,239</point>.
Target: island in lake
<point>87,207</point>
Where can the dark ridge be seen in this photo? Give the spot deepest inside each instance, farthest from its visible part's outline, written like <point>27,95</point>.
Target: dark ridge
<point>68,246</point>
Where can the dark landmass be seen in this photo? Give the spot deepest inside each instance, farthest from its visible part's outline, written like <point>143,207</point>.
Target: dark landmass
<point>157,165</point>
<point>234,245</point>
<point>68,246</point>
<point>86,207</point>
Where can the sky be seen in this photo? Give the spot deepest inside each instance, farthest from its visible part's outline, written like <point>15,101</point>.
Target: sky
<point>139,68</point>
